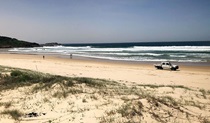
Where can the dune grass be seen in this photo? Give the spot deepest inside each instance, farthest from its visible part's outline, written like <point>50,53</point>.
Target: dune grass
<point>131,109</point>
<point>159,86</point>
<point>15,114</point>
<point>20,78</point>
<point>6,104</point>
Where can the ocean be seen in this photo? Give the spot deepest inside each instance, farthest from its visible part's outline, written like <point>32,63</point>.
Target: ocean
<point>194,51</point>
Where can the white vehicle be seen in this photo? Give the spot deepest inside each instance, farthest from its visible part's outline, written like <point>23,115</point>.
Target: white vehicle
<point>166,65</point>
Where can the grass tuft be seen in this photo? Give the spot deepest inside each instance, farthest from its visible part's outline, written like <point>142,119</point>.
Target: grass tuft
<point>6,104</point>
<point>203,93</point>
<point>15,114</point>
<point>205,120</point>
<point>91,82</point>
<point>61,94</point>
<point>159,86</point>
<point>20,78</point>
<point>130,110</point>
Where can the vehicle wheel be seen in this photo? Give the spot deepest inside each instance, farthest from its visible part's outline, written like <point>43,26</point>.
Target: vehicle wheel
<point>173,69</point>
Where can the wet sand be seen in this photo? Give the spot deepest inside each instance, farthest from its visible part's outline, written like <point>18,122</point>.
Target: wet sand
<point>127,72</point>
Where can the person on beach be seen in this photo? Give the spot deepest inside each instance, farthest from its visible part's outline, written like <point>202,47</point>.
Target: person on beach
<point>43,57</point>
<point>70,56</point>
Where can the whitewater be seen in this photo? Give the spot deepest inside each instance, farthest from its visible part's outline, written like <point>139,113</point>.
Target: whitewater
<point>129,53</point>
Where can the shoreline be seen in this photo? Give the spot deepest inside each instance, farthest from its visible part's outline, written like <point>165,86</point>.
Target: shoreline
<point>128,73</point>
<point>194,66</point>
<point>89,58</point>
<point>186,64</point>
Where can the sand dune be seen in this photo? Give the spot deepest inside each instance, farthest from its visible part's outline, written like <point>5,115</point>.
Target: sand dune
<point>140,94</point>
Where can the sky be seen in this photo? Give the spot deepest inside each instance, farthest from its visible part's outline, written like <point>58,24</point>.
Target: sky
<point>101,21</point>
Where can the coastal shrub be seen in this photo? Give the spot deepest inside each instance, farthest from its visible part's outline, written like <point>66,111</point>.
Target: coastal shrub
<point>203,93</point>
<point>48,81</point>
<point>193,103</point>
<point>208,92</point>
<point>69,83</point>
<point>15,114</point>
<point>84,100</point>
<point>159,86</point>
<point>168,99</point>
<point>6,104</point>
<point>74,91</point>
<point>60,94</point>
<point>3,69</point>
<point>23,76</point>
<point>131,111</point>
<point>51,79</point>
<point>205,120</point>
<point>16,73</point>
<point>19,78</point>
<point>90,82</point>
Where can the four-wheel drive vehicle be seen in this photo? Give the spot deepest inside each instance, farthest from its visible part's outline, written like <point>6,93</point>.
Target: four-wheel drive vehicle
<point>166,65</point>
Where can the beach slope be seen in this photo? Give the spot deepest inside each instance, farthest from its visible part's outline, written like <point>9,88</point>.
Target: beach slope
<point>99,91</point>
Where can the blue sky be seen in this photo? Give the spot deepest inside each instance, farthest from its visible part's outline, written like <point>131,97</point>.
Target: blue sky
<point>99,21</point>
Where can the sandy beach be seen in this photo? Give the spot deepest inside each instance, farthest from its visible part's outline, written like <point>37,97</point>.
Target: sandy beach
<point>104,61</point>
<point>140,93</point>
<point>190,76</point>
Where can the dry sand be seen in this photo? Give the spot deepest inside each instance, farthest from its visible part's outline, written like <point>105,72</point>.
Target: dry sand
<point>190,76</point>
<point>93,106</point>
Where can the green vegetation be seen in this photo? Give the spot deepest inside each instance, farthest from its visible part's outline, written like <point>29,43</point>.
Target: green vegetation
<point>15,114</point>
<point>130,110</point>
<point>203,93</point>
<point>90,82</point>
<point>159,86</point>
<point>206,121</point>
<point>21,78</point>
<point>7,42</point>
<point>167,100</point>
<point>128,107</point>
<point>60,94</point>
<point>6,104</point>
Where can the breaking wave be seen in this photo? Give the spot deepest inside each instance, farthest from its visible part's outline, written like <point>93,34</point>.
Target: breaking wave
<point>133,53</point>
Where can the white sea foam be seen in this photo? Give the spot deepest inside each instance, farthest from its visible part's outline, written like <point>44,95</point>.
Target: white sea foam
<point>136,53</point>
<point>173,48</point>
<point>135,48</point>
<point>179,56</point>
